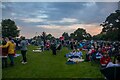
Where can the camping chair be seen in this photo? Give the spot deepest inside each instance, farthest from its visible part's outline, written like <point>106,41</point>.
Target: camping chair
<point>111,73</point>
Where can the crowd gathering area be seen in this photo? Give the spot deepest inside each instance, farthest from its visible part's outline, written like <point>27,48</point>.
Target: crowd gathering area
<point>59,58</point>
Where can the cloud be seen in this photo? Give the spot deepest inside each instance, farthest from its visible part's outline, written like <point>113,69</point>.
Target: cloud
<point>34,20</point>
<point>86,12</point>
<point>41,11</point>
<point>13,14</point>
<point>90,4</point>
<point>56,18</point>
<point>68,20</point>
<point>48,26</point>
<point>2,6</point>
<point>19,27</point>
<point>42,16</point>
<point>60,0</point>
<point>62,22</point>
<point>39,14</point>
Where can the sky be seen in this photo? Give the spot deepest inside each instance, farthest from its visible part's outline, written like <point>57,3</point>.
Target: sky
<point>32,18</point>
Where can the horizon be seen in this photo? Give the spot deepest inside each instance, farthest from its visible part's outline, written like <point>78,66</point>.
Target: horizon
<point>57,17</point>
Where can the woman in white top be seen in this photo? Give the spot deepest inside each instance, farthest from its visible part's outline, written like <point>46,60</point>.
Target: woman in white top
<point>111,64</point>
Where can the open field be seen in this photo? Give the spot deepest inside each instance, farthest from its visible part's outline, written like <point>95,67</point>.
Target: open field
<point>46,65</point>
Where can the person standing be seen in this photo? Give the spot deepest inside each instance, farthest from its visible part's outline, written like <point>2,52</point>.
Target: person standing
<point>53,47</point>
<point>71,45</point>
<point>4,54</point>
<point>11,49</point>
<point>23,45</point>
<point>42,45</point>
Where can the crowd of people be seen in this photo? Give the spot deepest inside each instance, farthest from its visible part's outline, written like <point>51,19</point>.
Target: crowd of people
<point>10,45</point>
<point>107,53</point>
<point>103,51</point>
<point>8,49</point>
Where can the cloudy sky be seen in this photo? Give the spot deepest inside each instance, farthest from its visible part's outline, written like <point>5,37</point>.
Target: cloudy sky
<point>57,17</point>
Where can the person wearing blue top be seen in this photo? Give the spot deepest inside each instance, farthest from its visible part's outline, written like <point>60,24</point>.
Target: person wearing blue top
<point>78,53</point>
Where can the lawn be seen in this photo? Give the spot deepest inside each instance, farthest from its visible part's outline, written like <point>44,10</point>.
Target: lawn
<point>46,65</point>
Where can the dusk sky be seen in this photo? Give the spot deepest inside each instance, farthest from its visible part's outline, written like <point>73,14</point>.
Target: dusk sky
<point>57,17</point>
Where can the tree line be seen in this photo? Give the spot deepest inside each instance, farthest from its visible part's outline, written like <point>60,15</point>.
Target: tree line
<point>110,30</point>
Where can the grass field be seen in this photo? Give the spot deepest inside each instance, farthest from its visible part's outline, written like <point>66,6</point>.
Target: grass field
<point>46,65</point>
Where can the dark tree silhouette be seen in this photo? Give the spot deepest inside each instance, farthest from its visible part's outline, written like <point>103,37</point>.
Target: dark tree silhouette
<point>111,26</point>
<point>80,34</point>
<point>66,36</point>
<point>9,28</point>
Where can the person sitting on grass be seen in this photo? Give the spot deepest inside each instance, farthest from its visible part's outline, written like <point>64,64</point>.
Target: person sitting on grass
<point>105,60</point>
<point>47,45</point>
<point>78,53</point>
<point>99,54</point>
<point>88,55</point>
<point>117,63</point>
<point>71,54</point>
<point>93,54</point>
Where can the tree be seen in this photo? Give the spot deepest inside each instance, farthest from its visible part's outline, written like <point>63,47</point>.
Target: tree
<point>65,35</point>
<point>88,36</point>
<point>80,34</point>
<point>99,37</point>
<point>9,28</point>
<point>111,26</point>
<point>50,37</point>
<point>72,36</point>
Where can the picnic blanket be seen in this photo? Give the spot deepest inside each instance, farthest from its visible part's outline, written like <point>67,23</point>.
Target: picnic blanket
<point>76,59</point>
<point>37,50</point>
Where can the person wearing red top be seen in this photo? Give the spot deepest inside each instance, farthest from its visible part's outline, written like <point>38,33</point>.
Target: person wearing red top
<point>103,50</point>
<point>105,60</point>
<point>47,46</point>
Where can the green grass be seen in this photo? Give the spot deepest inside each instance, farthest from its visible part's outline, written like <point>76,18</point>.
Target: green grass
<point>46,65</point>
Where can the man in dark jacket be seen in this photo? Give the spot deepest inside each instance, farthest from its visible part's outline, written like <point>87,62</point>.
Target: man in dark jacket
<point>53,47</point>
